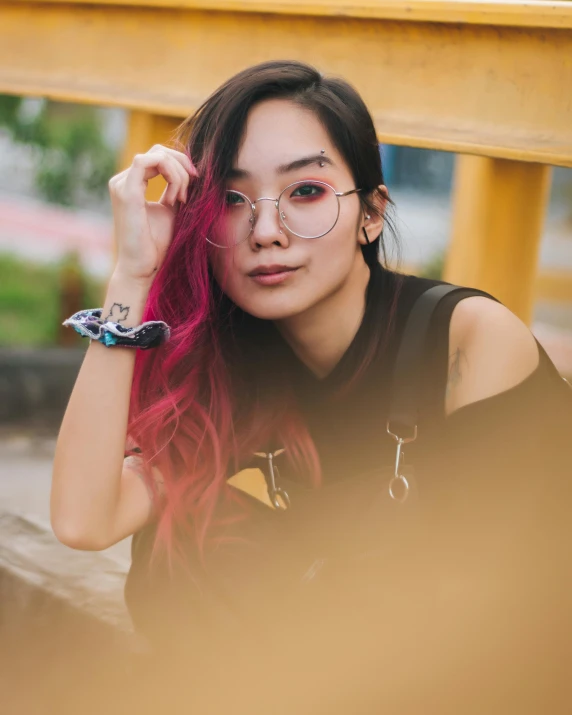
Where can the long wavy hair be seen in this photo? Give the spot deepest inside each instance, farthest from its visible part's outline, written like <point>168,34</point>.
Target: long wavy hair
<point>202,402</point>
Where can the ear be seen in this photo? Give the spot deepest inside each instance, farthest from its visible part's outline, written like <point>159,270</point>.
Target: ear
<point>373,225</point>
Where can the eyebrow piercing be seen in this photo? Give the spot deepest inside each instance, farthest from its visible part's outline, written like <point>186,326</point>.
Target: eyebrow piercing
<point>322,151</point>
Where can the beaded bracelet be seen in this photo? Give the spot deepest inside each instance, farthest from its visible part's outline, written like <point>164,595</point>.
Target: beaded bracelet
<point>88,324</point>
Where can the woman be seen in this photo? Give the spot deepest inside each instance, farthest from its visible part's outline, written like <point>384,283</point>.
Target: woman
<point>263,259</point>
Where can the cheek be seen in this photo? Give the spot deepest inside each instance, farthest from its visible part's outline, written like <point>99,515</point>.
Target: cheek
<point>327,266</point>
<point>225,264</point>
<point>333,254</point>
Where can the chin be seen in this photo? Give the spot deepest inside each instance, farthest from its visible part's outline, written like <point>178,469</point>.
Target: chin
<point>273,307</point>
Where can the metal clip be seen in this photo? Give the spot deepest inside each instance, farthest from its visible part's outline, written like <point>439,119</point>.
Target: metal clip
<point>397,477</point>
<point>278,496</point>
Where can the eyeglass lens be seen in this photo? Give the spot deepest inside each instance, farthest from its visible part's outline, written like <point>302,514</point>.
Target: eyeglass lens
<point>306,209</point>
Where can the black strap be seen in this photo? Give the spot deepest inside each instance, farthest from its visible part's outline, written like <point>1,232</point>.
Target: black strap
<point>407,376</point>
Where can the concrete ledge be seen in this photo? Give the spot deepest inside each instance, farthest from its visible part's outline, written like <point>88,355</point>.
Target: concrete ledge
<point>90,581</point>
<point>66,641</point>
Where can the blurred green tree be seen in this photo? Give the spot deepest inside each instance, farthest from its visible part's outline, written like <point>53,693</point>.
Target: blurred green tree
<point>32,304</point>
<point>73,154</point>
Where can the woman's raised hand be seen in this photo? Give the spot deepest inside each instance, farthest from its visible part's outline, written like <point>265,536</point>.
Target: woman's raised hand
<point>144,229</point>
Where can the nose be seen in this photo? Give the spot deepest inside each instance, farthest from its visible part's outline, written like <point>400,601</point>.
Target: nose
<point>267,229</point>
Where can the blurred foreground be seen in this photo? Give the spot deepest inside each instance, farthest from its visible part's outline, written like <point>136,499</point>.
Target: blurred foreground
<point>65,629</point>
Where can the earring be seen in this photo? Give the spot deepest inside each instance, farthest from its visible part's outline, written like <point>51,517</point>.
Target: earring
<point>365,234</point>
<point>368,216</point>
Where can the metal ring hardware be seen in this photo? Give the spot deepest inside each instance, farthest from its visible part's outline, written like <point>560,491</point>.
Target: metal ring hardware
<point>405,494</point>
<point>397,477</point>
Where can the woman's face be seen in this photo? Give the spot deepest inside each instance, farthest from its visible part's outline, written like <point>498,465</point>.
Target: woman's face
<point>277,133</point>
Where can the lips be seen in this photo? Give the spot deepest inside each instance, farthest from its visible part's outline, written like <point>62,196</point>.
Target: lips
<point>269,270</point>
<point>274,275</point>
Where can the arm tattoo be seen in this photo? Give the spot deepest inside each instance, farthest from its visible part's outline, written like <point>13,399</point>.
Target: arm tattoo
<point>116,315</point>
<point>455,374</point>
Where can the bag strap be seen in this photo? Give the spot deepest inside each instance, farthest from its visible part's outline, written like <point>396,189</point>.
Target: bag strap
<point>408,373</point>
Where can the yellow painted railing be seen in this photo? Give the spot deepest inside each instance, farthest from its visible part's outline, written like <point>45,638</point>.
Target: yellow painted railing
<point>490,81</point>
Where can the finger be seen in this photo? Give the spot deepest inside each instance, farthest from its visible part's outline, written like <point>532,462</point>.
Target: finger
<point>165,200</point>
<point>145,167</point>
<point>176,189</point>
<point>181,194</point>
<point>116,178</point>
<point>180,156</point>
<point>118,185</point>
<point>184,191</point>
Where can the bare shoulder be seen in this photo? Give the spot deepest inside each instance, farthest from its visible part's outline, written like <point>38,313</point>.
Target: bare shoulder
<point>490,351</point>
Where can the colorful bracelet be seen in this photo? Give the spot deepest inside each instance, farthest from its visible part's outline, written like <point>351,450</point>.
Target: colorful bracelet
<point>88,324</point>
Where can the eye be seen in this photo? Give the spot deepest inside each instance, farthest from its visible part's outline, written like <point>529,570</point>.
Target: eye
<point>234,199</point>
<point>308,191</point>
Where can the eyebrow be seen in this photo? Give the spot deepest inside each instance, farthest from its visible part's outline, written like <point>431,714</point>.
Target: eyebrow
<point>236,173</point>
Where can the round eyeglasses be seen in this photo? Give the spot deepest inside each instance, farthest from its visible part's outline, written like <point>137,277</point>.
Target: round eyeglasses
<point>308,209</point>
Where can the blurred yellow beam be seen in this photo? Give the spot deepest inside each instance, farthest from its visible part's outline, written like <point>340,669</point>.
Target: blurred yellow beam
<point>554,286</point>
<point>515,13</point>
<point>470,77</point>
<point>498,214</point>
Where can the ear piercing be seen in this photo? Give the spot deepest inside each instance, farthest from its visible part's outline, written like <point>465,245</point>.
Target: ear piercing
<point>364,231</point>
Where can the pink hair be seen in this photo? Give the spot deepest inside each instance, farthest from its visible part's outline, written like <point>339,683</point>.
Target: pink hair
<point>183,402</point>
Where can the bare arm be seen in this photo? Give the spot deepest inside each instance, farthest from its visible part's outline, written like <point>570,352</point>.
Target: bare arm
<point>97,497</point>
<point>96,500</point>
<point>491,350</point>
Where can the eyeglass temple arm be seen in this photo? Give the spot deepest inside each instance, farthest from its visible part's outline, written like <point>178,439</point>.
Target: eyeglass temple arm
<point>346,193</point>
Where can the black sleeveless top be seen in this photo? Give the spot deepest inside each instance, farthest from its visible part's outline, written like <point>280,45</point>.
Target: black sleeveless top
<point>470,465</point>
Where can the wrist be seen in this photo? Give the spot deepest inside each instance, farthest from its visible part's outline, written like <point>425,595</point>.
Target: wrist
<point>123,281</point>
<point>125,300</point>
